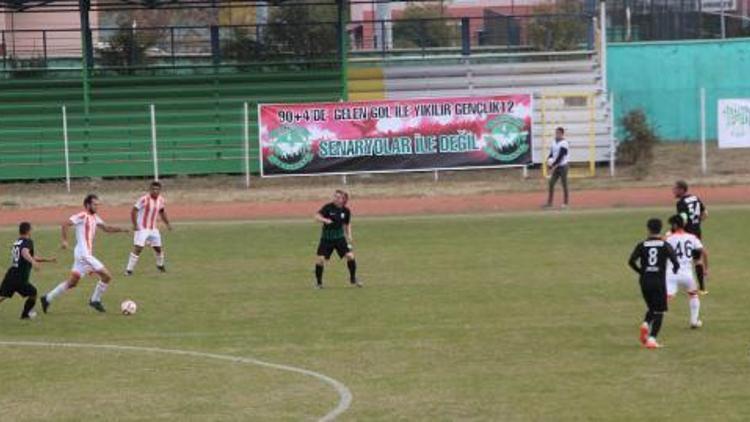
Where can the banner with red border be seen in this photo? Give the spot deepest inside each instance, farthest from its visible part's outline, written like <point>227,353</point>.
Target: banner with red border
<point>395,135</point>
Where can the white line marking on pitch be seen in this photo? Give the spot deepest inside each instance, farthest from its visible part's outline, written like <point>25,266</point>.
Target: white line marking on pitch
<point>345,395</point>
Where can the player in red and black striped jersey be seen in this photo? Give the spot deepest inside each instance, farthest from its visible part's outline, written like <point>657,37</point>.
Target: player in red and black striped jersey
<point>336,236</point>
<point>693,213</point>
<point>649,259</point>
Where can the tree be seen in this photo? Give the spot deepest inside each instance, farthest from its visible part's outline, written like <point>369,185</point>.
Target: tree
<point>560,26</point>
<point>638,146</point>
<point>305,30</point>
<point>128,47</point>
<point>243,47</point>
<point>422,26</point>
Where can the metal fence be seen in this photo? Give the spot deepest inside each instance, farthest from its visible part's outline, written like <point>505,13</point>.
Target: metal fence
<point>657,20</point>
<point>128,47</point>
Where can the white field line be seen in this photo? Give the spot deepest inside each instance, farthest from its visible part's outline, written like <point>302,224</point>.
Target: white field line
<point>345,395</point>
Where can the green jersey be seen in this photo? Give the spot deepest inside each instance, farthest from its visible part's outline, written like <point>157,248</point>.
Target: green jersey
<point>339,217</point>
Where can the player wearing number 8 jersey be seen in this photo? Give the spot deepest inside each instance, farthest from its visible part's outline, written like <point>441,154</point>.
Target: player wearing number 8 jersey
<point>649,260</point>
<point>144,217</point>
<point>687,247</point>
<point>693,213</point>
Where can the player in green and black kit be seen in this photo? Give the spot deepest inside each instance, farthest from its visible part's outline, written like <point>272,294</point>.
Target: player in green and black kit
<point>336,236</point>
<point>17,277</point>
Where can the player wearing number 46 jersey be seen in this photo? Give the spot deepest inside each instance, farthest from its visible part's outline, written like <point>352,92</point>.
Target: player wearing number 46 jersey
<point>145,225</point>
<point>687,247</point>
<point>693,212</point>
<point>649,259</point>
<point>17,277</point>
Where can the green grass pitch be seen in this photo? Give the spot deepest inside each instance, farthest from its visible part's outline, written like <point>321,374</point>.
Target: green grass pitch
<point>515,317</point>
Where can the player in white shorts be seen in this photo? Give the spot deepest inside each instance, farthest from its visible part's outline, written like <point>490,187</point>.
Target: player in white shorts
<point>84,263</point>
<point>145,225</point>
<point>687,247</point>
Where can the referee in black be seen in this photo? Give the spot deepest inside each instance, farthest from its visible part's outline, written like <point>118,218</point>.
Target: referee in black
<point>649,260</point>
<point>17,277</point>
<point>336,236</point>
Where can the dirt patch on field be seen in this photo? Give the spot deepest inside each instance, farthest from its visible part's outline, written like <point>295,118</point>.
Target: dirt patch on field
<point>451,204</point>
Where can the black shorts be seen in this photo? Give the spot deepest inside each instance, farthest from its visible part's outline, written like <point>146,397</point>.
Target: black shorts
<point>13,284</point>
<point>655,293</point>
<point>326,248</point>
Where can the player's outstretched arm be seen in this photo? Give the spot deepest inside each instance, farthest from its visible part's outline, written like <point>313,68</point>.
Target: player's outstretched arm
<point>113,229</point>
<point>26,254</point>
<point>319,218</point>
<point>165,219</point>
<point>634,258</point>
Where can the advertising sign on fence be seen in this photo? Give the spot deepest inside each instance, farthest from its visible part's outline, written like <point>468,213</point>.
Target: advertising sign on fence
<point>734,123</point>
<point>393,136</point>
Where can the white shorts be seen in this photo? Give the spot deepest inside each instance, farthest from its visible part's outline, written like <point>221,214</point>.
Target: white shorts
<point>147,237</point>
<point>85,265</point>
<point>681,279</point>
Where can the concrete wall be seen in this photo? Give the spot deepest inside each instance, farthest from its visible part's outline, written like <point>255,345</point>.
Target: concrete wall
<point>664,79</point>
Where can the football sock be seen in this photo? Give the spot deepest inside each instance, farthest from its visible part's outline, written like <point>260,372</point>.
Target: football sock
<point>27,307</point>
<point>648,318</point>
<point>699,273</point>
<point>57,291</point>
<point>160,259</point>
<point>132,261</point>
<point>99,290</point>
<point>656,324</point>
<point>352,265</point>
<point>319,273</point>
<point>695,308</point>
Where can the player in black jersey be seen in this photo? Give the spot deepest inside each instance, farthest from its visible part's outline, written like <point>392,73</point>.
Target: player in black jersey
<point>693,213</point>
<point>336,236</point>
<point>649,260</point>
<point>17,277</point>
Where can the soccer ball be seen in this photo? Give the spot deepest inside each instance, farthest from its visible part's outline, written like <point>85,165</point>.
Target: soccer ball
<point>128,307</point>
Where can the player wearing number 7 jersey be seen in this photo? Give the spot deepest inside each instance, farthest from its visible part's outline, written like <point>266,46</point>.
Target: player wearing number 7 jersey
<point>693,213</point>
<point>687,247</point>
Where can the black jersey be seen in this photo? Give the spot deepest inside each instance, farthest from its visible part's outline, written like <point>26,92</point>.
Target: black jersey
<point>339,217</point>
<point>20,267</point>
<point>691,208</point>
<point>650,257</point>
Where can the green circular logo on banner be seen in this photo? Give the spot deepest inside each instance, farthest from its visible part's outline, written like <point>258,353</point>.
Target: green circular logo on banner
<point>505,138</point>
<point>290,147</point>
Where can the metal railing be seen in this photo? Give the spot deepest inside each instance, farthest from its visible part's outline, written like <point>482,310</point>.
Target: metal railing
<point>126,47</point>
